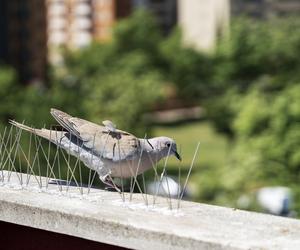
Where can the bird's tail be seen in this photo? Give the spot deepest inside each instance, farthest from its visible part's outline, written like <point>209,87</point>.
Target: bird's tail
<point>51,135</point>
<point>24,127</point>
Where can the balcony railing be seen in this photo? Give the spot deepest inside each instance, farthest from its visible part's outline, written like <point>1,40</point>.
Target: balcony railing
<point>126,220</point>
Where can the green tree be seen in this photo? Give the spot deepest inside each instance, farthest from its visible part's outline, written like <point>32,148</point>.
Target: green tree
<point>9,92</point>
<point>267,144</point>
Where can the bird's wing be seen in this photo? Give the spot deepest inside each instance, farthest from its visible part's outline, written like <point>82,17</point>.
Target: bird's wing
<point>114,145</point>
<point>109,125</point>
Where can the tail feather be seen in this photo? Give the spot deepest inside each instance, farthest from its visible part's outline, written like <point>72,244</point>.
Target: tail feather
<point>24,127</point>
<point>51,135</point>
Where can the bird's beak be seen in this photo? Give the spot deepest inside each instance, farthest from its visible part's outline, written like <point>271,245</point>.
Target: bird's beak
<point>177,155</point>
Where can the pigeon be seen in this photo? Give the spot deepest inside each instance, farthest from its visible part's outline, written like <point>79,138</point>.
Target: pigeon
<point>104,148</point>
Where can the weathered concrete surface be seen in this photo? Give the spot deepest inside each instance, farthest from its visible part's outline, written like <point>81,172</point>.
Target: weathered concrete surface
<point>102,216</point>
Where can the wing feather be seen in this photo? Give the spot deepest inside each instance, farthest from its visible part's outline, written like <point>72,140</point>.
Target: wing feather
<point>114,145</point>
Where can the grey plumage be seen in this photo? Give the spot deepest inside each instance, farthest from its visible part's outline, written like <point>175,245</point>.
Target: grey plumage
<point>107,150</point>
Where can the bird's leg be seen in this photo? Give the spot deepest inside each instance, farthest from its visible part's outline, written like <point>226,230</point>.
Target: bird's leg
<point>107,180</point>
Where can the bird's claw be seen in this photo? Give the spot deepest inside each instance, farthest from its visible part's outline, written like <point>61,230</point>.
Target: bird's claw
<point>111,186</point>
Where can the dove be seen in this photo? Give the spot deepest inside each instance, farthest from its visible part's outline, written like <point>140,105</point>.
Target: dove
<point>104,148</point>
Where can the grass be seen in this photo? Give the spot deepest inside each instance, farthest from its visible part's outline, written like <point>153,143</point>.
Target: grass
<point>213,146</point>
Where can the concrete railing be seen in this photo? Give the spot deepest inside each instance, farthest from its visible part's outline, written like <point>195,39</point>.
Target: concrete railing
<point>104,217</point>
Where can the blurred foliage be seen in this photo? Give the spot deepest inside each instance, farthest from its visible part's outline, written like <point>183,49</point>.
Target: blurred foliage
<point>259,52</point>
<point>123,85</point>
<point>190,71</point>
<point>132,34</point>
<point>250,87</point>
<point>257,104</point>
<point>267,144</point>
<point>259,48</point>
<point>8,93</point>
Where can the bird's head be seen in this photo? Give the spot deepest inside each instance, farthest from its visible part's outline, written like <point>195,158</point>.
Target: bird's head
<point>165,145</point>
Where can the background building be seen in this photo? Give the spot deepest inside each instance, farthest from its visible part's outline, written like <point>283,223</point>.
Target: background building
<point>164,10</point>
<point>24,38</point>
<point>203,21</point>
<point>75,23</point>
<point>34,30</point>
<point>265,8</point>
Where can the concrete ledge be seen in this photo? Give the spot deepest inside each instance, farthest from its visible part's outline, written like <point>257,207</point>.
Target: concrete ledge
<point>103,217</point>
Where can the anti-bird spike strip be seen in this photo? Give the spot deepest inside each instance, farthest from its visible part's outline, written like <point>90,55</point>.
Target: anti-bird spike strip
<point>105,150</point>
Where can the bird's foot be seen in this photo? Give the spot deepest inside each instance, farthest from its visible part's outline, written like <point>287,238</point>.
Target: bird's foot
<point>111,186</point>
<point>111,189</point>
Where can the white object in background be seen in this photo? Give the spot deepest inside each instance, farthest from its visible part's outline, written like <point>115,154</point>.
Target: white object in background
<point>276,200</point>
<point>167,187</point>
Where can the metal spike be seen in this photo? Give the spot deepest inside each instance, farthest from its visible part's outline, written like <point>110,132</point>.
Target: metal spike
<point>188,175</point>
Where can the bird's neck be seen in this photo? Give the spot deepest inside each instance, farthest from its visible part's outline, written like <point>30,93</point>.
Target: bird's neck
<point>149,145</point>
<point>152,146</point>
<point>152,151</point>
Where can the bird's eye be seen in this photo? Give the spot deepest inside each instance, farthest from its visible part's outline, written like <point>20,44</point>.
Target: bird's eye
<point>168,144</point>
